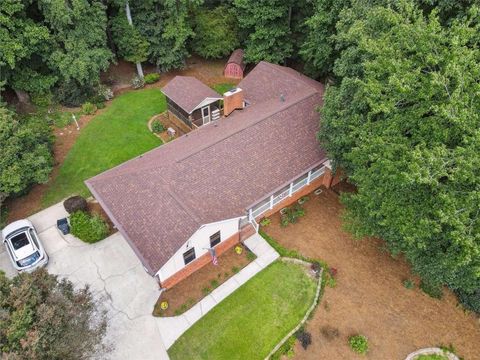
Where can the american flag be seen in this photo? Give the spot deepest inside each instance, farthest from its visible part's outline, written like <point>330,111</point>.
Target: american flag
<point>214,256</point>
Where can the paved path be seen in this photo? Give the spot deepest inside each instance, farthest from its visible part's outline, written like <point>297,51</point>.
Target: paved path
<point>117,279</point>
<point>171,328</point>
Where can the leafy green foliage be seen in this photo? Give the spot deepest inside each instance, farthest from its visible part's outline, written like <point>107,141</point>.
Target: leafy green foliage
<point>432,290</point>
<point>288,349</point>
<point>26,148</point>
<point>88,108</point>
<point>44,317</point>
<point>138,82</point>
<point>151,78</point>
<point>403,122</point>
<point>266,23</point>
<point>131,44</point>
<point>408,284</point>
<point>216,33</point>
<point>87,227</point>
<point>158,127</point>
<point>470,300</point>
<point>358,343</point>
<point>431,357</point>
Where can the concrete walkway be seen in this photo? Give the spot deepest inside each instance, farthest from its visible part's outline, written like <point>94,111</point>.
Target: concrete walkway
<point>171,328</point>
<point>116,278</point>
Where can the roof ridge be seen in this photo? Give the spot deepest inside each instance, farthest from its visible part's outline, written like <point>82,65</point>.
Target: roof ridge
<point>288,71</point>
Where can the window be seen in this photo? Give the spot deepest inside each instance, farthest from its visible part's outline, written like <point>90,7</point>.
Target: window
<point>189,256</point>
<point>215,239</point>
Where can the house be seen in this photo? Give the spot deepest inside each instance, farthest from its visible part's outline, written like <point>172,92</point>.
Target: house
<point>235,66</point>
<point>210,187</point>
<point>191,101</point>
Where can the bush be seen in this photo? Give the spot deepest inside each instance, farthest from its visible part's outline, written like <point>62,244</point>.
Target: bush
<point>87,227</point>
<point>152,78</point>
<point>471,301</point>
<point>304,337</point>
<point>358,343</point>
<point>138,82</point>
<point>105,92</point>
<point>42,100</point>
<point>265,221</point>
<point>73,94</point>
<point>408,283</point>
<point>292,214</point>
<point>88,108</point>
<point>74,204</point>
<point>157,127</point>
<point>432,290</point>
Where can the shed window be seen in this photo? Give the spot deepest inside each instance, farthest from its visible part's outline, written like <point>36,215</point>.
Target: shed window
<point>215,239</point>
<point>189,256</point>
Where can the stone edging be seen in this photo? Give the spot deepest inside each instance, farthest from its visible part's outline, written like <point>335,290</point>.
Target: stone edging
<point>309,311</point>
<point>149,125</point>
<point>431,351</point>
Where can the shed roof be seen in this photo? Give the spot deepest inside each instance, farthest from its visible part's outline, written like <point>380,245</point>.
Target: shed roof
<point>237,58</point>
<point>158,200</point>
<point>188,92</point>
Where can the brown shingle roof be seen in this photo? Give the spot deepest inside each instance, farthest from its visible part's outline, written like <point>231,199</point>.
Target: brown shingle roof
<point>158,200</point>
<point>188,92</point>
<point>237,58</point>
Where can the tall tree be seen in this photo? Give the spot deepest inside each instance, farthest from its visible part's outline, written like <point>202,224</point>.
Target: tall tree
<point>267,26</point>
<point>167,26</point>
<point>404,122</point>
<point>44,317</point>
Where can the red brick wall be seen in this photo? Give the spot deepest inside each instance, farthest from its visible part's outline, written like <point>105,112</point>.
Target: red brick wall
<point>200,262</point>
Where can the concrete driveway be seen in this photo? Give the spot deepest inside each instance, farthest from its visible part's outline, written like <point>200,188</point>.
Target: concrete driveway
<point>115,276</point>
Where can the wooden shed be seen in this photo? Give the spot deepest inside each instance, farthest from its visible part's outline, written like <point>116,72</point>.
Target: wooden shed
<point>235,65</point>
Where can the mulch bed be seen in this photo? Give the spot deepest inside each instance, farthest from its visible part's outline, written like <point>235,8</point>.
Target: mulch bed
<point>188,292</point>
<point>369,297</point>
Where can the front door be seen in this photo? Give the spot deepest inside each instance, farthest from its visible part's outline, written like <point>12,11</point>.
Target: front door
<point>206,114</point>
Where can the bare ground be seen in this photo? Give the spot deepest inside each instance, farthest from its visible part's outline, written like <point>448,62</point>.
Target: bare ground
<point>370,298</point>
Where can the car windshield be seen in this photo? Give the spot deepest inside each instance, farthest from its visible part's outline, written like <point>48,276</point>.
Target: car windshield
<point>19,241</point>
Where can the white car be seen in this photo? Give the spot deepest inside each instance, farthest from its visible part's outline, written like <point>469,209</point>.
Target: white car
<point>23,246</point>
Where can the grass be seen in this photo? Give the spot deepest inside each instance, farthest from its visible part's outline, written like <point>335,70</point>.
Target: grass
<point>251,321</point>
<point>118,134</point>
<point>223,88</point>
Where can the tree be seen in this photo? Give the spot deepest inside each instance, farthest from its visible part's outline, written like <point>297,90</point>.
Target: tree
<point>26,148</point>
<point>267,25</point>
<point>79,52</point>
<point>131,45</point>
<point>215,32</point>
<point>166,26</point>
<point>404,123</point>
<point>43,317</point>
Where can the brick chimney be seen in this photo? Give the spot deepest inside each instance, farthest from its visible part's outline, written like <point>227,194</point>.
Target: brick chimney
<point>232,100</point>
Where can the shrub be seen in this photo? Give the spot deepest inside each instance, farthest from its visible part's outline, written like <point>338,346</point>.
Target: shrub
<point>358,343</point>
<point>290,215</point>
<point>265,221</point>
<point>100,105</point>
<point>152,78</point>
<point>42,100</point>
<point>73,94</point>
<point>157,127</point>
<point>138,82</point>
<point>408,283</point>
<point>88,108</point>
<point>471,301</point>
<point>214,283</point>
<point>74,204</point>
<point>432,290</point>
<point>105,92</point>
<point>87,227</point>
<point>304,337</point>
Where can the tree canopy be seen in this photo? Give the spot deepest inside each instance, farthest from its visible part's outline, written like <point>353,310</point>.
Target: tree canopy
<point>404,122</point>
<point>43,317</point>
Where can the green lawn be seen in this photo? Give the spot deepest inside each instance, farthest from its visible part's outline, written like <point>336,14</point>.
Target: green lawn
<point>118,134</point>
<point>251,321</point>
<point>223,88</point>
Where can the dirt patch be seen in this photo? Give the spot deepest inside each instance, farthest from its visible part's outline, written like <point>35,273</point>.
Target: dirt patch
<point>369,297</point>
<point>188,292</point>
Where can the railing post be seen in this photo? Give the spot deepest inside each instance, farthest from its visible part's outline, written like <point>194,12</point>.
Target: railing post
<point>250,214</point>
<point>290,190</point>
<point>309,176</point>
<point>271,202</point>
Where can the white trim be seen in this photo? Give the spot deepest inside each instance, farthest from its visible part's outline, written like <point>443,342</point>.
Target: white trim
<point>205,102</point>
<point>271,202</point>
<point>290,190</point>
